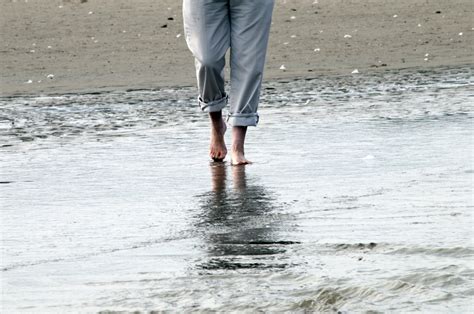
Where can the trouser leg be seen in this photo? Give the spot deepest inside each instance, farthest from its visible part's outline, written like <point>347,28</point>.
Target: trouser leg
<point>250,28</point>
<point>207,30</point>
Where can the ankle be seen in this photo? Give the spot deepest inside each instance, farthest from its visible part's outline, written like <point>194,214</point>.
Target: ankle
<point>217,122</point>
<point>215,116</point>
<point>237,148</point>
<point>238,138</point>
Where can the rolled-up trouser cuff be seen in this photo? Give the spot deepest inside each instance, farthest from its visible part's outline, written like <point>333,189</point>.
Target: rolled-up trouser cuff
<point>213,106</point>
<point>243,119</point>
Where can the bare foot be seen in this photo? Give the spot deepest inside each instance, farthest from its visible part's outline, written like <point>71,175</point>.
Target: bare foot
<point>238,158</point>
<point>238,140</point>
<point>217,148</point>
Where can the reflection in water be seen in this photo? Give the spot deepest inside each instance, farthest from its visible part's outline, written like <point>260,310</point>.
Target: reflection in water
<point>239,224</point>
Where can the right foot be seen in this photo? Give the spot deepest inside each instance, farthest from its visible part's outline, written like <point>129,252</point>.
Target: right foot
<point>217,149</point>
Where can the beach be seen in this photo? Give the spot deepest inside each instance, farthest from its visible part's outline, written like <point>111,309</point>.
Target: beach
<point>358,200</point>
<point>54,47</point>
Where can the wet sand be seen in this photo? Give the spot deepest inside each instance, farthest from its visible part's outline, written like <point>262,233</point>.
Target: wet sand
<point>120,45</point>
<point>359,200</point>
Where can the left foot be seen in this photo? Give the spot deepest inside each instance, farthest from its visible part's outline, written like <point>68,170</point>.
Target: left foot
<point>238,141</point>
<point>238,158</point>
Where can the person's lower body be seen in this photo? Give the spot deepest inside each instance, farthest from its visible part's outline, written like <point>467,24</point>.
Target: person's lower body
<point>211,28</point>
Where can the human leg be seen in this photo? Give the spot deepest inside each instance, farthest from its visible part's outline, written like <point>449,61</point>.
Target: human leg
<point>207,30</point>
<point>250,22</point>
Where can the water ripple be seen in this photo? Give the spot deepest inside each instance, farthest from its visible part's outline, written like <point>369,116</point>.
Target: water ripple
<point>405,95</point>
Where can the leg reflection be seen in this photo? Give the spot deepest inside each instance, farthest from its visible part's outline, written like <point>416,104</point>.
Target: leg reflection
<point>240,225</point>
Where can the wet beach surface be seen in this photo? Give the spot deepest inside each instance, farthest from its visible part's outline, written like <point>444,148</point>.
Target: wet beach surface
<point>359,200</point>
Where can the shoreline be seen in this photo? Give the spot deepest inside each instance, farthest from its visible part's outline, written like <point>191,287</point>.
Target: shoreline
<point>114,45</point>
<point>282,79</point>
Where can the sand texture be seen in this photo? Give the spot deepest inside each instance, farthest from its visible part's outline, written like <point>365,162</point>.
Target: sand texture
<point>96,45</point>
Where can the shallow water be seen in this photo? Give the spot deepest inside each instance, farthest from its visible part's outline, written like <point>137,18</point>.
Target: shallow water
<point>359,200</point>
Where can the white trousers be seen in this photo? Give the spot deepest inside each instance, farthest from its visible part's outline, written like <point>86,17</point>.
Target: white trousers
<point>211,28</point>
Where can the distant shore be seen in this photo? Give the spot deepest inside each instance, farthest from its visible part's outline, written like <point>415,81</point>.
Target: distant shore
<point>51,47</point>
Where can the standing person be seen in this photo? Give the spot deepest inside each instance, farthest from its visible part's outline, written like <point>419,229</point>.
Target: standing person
<point>211,28</point>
